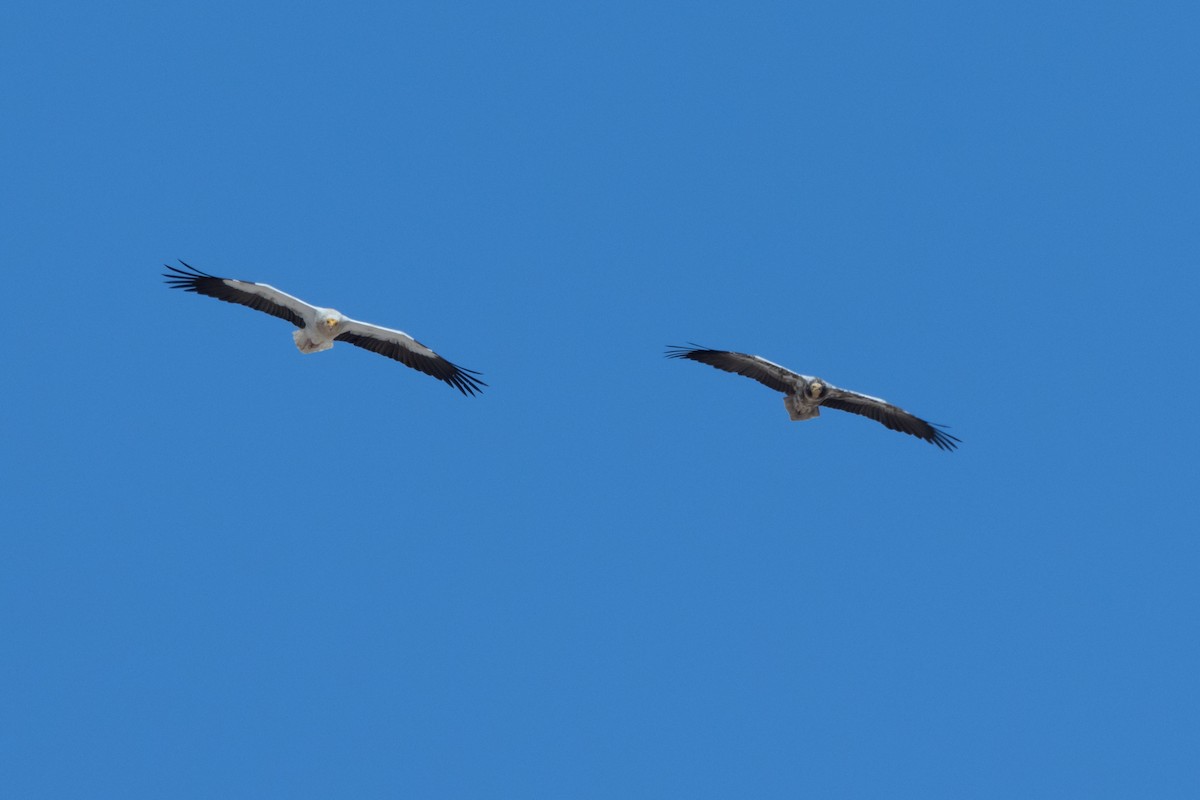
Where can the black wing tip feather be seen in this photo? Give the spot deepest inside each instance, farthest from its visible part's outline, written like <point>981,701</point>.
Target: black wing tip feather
<point>938,436</point>
<point>187,278</point>
<point>464,380</point>
<point>460,378</point>
<point>689,351</point>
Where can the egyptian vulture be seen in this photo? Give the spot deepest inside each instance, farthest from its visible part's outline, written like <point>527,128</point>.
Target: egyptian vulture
<point>319,328</point>
<point>804,394</point>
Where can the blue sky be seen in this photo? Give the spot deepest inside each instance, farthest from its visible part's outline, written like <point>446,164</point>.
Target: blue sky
<point>233,570</point>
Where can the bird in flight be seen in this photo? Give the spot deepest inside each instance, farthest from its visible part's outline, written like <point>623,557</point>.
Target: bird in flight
<point>319,328</point>
<point>804,395</point>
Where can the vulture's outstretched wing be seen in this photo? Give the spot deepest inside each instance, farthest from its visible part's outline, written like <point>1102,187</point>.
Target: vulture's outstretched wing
<point>768,373</point>
<point>258,296</point>
<point>408,351</point>
<point>890,416</point>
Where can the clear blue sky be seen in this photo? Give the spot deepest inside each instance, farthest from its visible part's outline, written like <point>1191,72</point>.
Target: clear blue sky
<point>232,570</point>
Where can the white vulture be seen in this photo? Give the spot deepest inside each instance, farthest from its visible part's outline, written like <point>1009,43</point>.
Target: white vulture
<point>804,394</point>
<point>319,328</point>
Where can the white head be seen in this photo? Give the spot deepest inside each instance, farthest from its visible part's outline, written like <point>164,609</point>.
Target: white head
<point>329,321</point>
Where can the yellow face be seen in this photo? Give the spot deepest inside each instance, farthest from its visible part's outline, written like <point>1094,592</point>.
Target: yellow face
<point>330,323</point>
<point>816,387</point>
